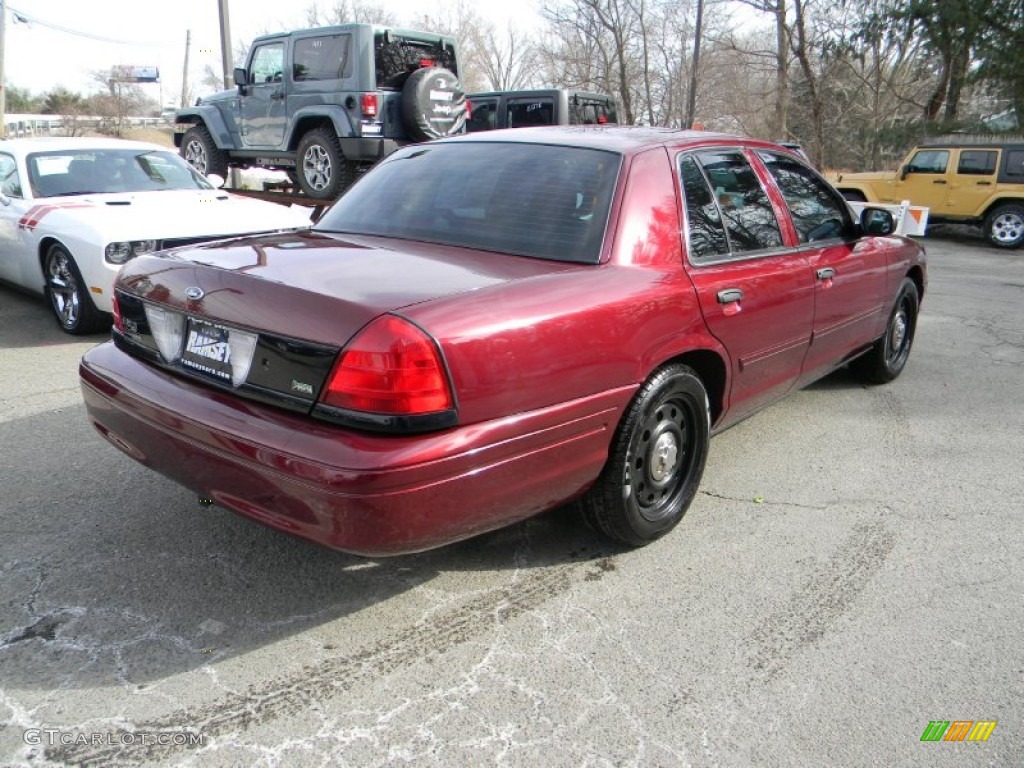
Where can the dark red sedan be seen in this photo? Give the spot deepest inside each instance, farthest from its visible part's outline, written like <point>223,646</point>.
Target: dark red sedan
<point>490,326</point>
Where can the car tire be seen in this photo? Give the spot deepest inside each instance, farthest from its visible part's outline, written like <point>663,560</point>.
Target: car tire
<point>1004,226</point>
<point>199,150</point>
<point>656,461</point>
<point>888,355</point>
<point>853,196</point>
<point>322,170</point>
<point>68,295</point>
<point>433,104</point>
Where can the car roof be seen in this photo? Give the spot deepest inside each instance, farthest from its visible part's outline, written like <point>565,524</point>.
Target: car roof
<point>536,92</point>
<point>624,139</point>
<point>63,144</point>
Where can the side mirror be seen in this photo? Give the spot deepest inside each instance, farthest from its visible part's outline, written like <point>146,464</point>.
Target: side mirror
<point>904,170</point>
<point>217,180</point>
<point>877,221</point>
<point>241,77</point>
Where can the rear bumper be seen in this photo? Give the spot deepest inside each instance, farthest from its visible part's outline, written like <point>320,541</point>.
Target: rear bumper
<point>360,493</point>
<point>369,149</point>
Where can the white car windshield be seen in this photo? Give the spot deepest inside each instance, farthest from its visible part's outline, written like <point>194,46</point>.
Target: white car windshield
<point>109,171</point>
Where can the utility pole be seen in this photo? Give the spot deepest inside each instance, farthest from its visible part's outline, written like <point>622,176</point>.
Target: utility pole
<point>225,45</point>
<point>3,90</point>
<point>691,99</point>
<point>184,73</point>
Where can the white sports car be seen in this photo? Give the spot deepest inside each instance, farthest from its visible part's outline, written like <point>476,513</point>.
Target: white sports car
<point>72,211</point>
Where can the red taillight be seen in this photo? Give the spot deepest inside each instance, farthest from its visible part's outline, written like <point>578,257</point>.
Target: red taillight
<point>116,309</point>
<point>369,104</point>
<point>602,119</point>
<point>426,62</point>
<point>390,367</point>
<point>469,109</point>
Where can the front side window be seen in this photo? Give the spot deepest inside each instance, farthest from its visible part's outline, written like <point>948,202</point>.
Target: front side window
<point>746,210</point>
<point>706,233</point>
<point>10,181</point>
<point>321,58</point>
<point>929,161</point>
<point>539,201</point>
<point>817,211</point>
<point>268,64</point>
<point>531,112</point>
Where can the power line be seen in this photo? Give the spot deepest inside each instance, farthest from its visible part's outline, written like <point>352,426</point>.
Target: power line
<point>25,18</point>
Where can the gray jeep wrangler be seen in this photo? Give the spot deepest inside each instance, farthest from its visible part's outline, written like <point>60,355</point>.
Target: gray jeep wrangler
<point>324,104</point>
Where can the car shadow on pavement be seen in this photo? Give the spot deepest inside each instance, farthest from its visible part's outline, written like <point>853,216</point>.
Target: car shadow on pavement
<point>26,321</point>
<point>109,573</point>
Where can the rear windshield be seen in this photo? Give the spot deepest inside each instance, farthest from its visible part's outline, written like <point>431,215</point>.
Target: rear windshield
<point>524,199</point>
<point>397,57</point>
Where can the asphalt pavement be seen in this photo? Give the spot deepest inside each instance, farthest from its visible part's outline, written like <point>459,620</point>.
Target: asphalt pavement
<point>850,571</point>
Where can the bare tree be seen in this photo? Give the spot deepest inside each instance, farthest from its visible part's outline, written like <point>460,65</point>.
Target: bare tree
<point>508,62</point>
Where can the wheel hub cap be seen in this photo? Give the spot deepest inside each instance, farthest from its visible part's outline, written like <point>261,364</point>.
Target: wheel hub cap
<point>899,332</point>
<point>663,458</point>
<point>63,291</point>
<point>1008,228</point>
<point>317,167</point>
<point>196,156</point>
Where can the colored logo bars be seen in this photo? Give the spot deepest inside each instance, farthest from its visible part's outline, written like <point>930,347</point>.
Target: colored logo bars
<point>958,730</point>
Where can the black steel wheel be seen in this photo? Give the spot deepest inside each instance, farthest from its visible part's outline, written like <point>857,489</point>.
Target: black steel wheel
<point>888,356</point>
<point>68,295</point>
<point>656,461</point>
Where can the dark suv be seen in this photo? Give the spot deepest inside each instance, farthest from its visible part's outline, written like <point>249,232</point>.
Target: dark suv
<point>553,106</point>
<point>322,104</point>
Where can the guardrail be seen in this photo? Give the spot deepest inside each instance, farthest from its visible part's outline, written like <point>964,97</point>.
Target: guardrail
<point>26,126</point>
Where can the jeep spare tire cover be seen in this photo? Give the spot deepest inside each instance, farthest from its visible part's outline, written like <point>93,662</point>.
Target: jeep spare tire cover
<point>433,104</point>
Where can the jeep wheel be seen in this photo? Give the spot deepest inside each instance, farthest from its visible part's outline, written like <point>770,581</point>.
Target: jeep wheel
<point>200,151</point>
<point>323,172</point>
<point>433,104</point>
<point>1004,226</point>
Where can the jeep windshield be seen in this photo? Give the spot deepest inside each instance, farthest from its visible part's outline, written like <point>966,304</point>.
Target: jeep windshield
<point>546,202</point>
<point>103,171</point>
<point>397,56</point>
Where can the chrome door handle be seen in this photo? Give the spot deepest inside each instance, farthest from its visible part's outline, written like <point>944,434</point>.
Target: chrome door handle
<point>730,296</point>
<point>826,273</point>
<point>939,181</point>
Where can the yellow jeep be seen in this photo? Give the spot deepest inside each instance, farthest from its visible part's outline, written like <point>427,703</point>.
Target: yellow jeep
<point>979,184</point>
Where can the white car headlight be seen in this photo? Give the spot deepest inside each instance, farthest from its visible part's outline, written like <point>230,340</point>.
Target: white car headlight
<point>119,253</point>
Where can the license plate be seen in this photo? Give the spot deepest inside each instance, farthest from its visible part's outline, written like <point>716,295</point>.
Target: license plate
<point>208,349</point>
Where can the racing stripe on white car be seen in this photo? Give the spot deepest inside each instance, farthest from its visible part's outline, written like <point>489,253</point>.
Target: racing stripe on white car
<point>36,213</point>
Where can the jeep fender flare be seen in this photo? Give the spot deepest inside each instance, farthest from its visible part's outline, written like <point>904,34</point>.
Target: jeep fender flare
<point>212,119</point>
<point>338,117</point>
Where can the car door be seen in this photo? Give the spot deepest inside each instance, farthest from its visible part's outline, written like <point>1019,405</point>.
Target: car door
<point>13,245</point>
<point>923,180</point>
<point>264,117</point>
<point>849,273</point>
<point>973,183</point>
<point>756,294</point>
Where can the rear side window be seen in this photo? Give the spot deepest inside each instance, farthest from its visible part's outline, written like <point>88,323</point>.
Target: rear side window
<point>524,112</point>
<point>540,201</point>
<point>10,182</point>
<point>321,58</point>
<point>746,210</point>
<point>484,115</point>
<point>817,212</point>
<point>977,162</point>
<point>706,233</point>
